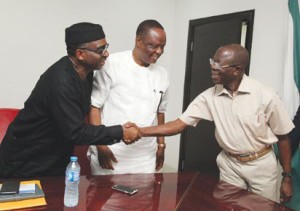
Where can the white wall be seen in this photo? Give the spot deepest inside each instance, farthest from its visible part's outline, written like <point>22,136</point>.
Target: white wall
<point>32,36</point>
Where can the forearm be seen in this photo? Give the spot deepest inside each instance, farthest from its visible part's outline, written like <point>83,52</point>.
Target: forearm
<point>94,116</point>
<point>167,129</point>
<point>160,121</point>
<point>284,152</point>
<point>286,190</point>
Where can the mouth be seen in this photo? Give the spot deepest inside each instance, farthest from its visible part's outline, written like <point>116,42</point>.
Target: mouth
<point>154,57</point>
<point>102,61</point>
<point>214,76</point>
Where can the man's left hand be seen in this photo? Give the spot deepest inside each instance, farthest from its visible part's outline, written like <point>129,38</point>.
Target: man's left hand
<point>286,190</point>
<point>160,158</point>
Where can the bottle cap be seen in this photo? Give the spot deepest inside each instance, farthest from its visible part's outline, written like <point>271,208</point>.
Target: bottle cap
<point>73,158</point>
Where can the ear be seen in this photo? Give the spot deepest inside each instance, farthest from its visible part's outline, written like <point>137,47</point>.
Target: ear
<point>138,41</point>
<point>238,71</point>
<point>80,54</point>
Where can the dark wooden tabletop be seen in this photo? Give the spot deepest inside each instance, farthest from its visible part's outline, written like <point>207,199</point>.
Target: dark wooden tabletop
<point>160,191</point>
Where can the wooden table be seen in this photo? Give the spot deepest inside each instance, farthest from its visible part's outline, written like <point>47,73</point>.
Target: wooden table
<point>160,191</point>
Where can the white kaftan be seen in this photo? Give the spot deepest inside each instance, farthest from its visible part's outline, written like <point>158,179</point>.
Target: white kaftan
<point>126,91</point>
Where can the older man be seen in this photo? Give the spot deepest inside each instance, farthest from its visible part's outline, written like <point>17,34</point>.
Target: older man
<point>40,141</point>
<point>249,118</point>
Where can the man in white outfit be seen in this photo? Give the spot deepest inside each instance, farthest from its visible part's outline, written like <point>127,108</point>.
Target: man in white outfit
<point>132,87</point>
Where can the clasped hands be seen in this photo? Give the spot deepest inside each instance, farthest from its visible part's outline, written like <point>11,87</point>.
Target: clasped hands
<point>131,133</point>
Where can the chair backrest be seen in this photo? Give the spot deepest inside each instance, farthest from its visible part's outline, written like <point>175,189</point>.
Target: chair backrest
<point>7,115</point>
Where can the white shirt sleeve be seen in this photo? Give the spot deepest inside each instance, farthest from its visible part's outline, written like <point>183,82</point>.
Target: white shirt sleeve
<point>101,87</point>
<point>198,109</point>
<point>165,91</point>
<point>164,101</point>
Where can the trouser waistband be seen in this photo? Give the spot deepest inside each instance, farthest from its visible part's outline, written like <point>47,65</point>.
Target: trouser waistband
<point>251,156</point>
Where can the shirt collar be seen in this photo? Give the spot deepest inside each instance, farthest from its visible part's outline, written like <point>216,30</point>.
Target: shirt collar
<point>245,87</point>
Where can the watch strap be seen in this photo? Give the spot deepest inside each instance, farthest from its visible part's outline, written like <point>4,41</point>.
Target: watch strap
<point>286,174</point>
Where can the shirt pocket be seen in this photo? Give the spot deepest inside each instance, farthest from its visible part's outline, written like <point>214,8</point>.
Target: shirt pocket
<point>157,98</point>
<point>255,125</point>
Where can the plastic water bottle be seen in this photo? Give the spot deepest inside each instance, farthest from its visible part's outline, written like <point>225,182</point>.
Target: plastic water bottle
<point>72,183</point>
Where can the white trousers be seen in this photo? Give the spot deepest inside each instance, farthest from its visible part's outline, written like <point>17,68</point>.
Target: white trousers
<point>258,176</point>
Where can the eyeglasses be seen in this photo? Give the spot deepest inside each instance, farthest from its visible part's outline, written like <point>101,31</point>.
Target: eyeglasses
<point>219,67</point>
<point>101,50</point>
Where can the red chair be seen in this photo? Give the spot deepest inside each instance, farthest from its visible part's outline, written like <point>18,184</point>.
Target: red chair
<point>7,115</point>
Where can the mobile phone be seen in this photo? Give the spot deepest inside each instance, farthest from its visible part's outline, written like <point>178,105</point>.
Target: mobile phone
<point>10,187</point>
<point>125,189</point>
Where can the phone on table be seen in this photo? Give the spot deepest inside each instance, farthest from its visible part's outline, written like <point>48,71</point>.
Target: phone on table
<point>125,189</point>
<point>10,187</point>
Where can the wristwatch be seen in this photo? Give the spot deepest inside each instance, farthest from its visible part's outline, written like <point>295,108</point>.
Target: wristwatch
<point>286,174</point>
<point>163,145</point>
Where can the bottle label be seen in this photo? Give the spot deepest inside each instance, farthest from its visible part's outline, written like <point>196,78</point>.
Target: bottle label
<point>73,176</point>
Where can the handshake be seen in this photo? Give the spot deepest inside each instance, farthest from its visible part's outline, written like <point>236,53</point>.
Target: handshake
<point>131,133</point>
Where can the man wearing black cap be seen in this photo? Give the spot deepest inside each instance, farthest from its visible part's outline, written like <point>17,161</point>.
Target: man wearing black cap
<point>40,141</point>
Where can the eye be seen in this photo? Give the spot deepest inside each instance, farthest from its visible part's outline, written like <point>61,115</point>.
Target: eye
<point>151,46</point>
<point>155,47</point>
<point>99,50</point>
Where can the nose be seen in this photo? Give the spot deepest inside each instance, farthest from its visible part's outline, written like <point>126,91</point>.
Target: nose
<point>105,54</point>
<point>159,50</point>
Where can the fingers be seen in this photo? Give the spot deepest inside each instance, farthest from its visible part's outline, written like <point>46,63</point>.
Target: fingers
<point>105,163</point>
<point>159,165</point>
<point>159,160</point>
<point>113,158</point>
<point>130,124</point>
<point>285,198</point>
<point>127,141</point>
<point>127,124</point>
<point>286,190</point>
<point>130,134</point>
<point>105,157</point>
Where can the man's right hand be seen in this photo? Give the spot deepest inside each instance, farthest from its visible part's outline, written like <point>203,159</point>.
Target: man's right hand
<point>131,133</point>
<point>105,157</point>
